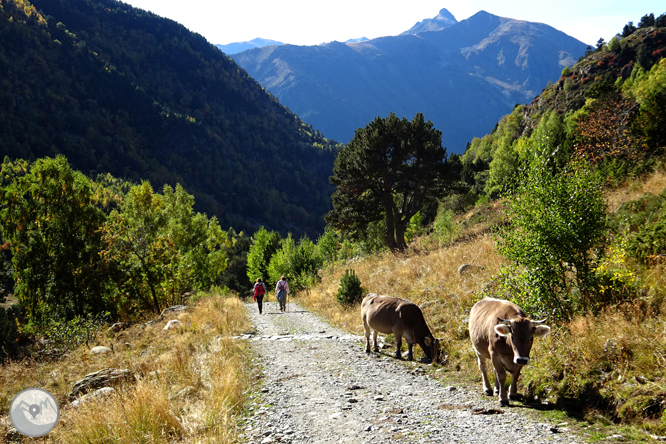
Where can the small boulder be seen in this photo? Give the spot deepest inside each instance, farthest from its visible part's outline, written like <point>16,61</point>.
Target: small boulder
<point>468,268</point>
<point>118,326</point>
<point>103,378</point>
<point>100,350</point>
<point>172,310</point>
<point>173,324</point>
<point>99,393</point>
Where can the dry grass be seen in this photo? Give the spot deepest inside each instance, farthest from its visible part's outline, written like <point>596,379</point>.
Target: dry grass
<point>198,357</point>
<point>429,278</point>
<point>654,184</point>
<point>612,363</point>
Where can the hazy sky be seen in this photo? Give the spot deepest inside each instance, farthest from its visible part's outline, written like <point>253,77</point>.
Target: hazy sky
<point>310,22</point>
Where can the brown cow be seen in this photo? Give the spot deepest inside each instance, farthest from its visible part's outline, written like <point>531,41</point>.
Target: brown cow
<point>502,332</point>
<point>386,314</point>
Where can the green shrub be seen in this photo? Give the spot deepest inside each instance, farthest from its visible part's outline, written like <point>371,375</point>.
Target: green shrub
<point>557,234</point>
<point>8,326</point>
<point>445,227</point>
<point>350,291</point>
<point>61,336</point>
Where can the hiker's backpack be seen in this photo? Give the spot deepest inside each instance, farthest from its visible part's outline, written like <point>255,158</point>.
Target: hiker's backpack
<point>259,289</point>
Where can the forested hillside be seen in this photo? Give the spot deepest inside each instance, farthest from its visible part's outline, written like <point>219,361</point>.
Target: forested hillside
<point>122,91</point>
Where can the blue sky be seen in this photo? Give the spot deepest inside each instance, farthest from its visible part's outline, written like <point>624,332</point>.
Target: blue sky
<point>310,22</point>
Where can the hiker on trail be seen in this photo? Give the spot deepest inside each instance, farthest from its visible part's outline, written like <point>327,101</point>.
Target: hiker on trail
<point>259,292</point>
<point>282,288</point>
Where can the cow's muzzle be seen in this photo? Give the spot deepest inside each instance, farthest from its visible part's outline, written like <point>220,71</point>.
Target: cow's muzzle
<point>521,361</point>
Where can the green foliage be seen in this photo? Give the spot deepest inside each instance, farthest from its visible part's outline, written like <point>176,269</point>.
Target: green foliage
<point>445,227</point>
<point>644,221</point>
<point>649,90</point>
<point>264,245</point>
<point>566,71</point>
<point>556,233</point>
<point>62,335</point>
<point>299,262</point>
<point>234,277</point>
<point>53,227</point>
<point>162,248</point>
<point>8,326</point>
<point>389,171</point>
<point>646,21</point>
<point>614,44</point>
<point>350,291</point>
<point>327,246</point>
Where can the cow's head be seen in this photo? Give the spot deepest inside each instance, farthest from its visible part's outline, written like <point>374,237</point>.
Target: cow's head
<point>432,349</point>
<point>520,333</point>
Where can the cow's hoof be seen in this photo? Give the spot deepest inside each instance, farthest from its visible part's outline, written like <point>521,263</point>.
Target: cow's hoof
<point>376,350</point>
<point>367,350</point>
<point>516,397</point>
<point>489,392</point>
<point>504,403</point>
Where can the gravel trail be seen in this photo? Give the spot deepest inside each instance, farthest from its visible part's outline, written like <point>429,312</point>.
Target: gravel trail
<point>321,387</point>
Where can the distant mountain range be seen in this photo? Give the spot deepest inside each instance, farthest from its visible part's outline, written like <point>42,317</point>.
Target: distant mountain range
<point>463,76</point>
<point>235,48</point>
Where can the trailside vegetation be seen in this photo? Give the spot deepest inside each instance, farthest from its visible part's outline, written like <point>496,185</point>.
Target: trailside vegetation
<point>71,259</point>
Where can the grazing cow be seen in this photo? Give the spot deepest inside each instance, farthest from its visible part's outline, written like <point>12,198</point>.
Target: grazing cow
<point>502,332</point>
<point>386,314</point>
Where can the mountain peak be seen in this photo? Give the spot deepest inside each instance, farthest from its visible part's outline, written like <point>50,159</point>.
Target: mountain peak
<point>443,20</point>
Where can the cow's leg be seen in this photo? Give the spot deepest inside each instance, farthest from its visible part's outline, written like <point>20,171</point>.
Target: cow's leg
<point>500,379</point>
<point>367,335</point>
<point>398,346</point>
<point>484,375</point>
<point>513,388</point>
<point>409,337</point>
<point>374,339</point>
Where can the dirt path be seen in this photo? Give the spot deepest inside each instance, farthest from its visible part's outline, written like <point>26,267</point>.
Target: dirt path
<point>321,387</point>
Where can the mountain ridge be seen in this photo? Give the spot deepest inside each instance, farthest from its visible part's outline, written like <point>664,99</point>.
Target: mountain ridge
<point>119,90</point>
<point>236,47</point>
<point>454,76</point>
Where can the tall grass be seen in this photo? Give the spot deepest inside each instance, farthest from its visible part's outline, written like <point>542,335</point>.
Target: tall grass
<point>191,382</point>
<point>608,367</point>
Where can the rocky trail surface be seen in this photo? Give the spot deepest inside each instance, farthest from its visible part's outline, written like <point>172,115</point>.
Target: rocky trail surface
<point>319,386</point>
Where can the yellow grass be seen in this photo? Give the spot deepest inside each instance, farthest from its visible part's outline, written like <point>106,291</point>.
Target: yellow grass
<point>429,278</point>
<point>199,357</point>
<point>613,363</point>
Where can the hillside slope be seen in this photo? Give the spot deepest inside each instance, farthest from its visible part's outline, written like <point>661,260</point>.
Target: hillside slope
<point>463,78</point>
<point>120,90</point>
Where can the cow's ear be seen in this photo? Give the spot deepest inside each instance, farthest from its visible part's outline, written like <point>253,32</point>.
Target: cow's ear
<point>503,330</point>
<point>428,342</point>
<point>541,331</point>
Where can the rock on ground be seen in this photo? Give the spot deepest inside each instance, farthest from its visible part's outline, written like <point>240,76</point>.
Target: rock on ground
<point>321,387</point>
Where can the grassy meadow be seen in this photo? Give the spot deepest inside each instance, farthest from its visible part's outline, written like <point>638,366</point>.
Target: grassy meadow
<point>190,386</point>
<point>601,371</point>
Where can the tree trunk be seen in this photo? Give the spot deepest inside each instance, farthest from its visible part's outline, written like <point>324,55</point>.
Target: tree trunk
<point>389,211</point>
<point>400,235</point>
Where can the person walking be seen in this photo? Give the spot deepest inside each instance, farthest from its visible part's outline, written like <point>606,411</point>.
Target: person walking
<point>282,289</point>
<point>259,292</point>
